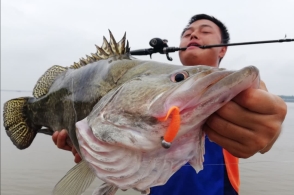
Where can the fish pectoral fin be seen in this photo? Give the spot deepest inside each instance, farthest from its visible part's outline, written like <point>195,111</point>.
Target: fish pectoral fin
<point>197,161</point>
<point>46,80</point>
<point>105,189</point>
<point>143,191</point>
<point>197,164</point>
<point>76,180</point>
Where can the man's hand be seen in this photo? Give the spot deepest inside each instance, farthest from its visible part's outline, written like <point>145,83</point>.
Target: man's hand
<point>59,138</point>
<point>248,124</point>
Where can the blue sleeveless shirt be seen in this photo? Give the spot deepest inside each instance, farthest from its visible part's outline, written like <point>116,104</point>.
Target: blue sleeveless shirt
<point>212,180</point>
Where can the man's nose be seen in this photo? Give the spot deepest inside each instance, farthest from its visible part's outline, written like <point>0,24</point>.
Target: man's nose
<point>193,35</point>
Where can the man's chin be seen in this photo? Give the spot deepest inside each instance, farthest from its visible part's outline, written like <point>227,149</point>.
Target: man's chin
<point>190,60</point>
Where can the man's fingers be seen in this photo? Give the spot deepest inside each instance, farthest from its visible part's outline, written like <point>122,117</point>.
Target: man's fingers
<point>76,155</point>
<point>248,98</point>
<point>269,146</point>
<point>234,147</point>
<point>228,129</point>
<point>61,141</point>
<point>228,113</point>
<point>55,136</point>
<point>77,158</point>
<point>250,121</point>
<point>74,151</point>
<point>238,140</point>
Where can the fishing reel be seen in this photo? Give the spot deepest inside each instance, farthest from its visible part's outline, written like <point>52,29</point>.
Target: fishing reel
<point>158,46</point>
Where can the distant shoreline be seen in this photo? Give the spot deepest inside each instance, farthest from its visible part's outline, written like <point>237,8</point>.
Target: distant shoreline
<point>287,98</point>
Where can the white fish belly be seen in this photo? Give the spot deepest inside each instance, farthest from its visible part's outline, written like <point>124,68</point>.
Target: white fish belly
<point>128,168</point>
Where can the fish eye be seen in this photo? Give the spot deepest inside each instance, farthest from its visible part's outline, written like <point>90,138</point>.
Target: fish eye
<point>179,76</point>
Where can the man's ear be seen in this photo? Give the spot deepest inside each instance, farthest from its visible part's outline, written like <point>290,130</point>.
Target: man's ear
<point>223,51</point>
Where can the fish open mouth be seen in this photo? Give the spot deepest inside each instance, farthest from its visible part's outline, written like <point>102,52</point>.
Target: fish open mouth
<point>204,90</point>
<point>180,115</point>
<point>204,97</point>
<point>189,94</point>
<point>203,94</point>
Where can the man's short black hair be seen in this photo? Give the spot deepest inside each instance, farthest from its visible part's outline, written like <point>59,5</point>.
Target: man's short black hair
<point>223,29</point>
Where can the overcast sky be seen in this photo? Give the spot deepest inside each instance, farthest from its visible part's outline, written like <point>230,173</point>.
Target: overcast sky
<point>36,34</point>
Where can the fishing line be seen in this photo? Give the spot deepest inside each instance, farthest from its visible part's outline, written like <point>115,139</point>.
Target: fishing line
<point>73,100</point>
<point>241,163</point>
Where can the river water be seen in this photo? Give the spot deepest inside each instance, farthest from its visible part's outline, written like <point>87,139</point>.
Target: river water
<point>36,170</point>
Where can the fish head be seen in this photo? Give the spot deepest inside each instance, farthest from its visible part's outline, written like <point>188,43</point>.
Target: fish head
<point>124,138</point>
<point>147,93</point>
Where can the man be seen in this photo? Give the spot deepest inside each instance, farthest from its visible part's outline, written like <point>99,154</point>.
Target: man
<point>248,124</point>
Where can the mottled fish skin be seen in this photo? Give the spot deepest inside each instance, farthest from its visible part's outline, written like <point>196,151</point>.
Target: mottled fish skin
<point>64,95</point>
<point>73,95</point>
<point>110,104</point>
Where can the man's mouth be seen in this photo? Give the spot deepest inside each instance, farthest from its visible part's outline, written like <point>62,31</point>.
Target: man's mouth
<point>193,45</point>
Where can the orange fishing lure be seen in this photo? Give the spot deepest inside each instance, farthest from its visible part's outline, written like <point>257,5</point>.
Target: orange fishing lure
<point>173,127</point>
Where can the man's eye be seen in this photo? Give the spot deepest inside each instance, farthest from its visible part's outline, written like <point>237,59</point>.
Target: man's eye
<point>186,34</point>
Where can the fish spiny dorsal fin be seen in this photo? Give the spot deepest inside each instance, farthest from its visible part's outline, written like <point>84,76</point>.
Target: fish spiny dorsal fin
<point>76,65</point>
<point>90,59</point>
<point>121,45</point>
<point>106,47</point>
<point>96,57</point>
<point>45,81</point>
<point>107,50</point>
<point>127,47</point>
<point>79,64</point>
<point>113,44</point>
<point>83,62</point>
<point>101,53</point>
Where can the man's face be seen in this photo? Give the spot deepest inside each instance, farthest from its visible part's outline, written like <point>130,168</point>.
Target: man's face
<point>201,32</point>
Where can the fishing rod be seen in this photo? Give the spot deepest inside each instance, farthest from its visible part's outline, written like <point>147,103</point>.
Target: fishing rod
<point>160,46</point>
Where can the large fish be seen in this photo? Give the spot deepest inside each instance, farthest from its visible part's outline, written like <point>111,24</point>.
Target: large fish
<point>134,122</point>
